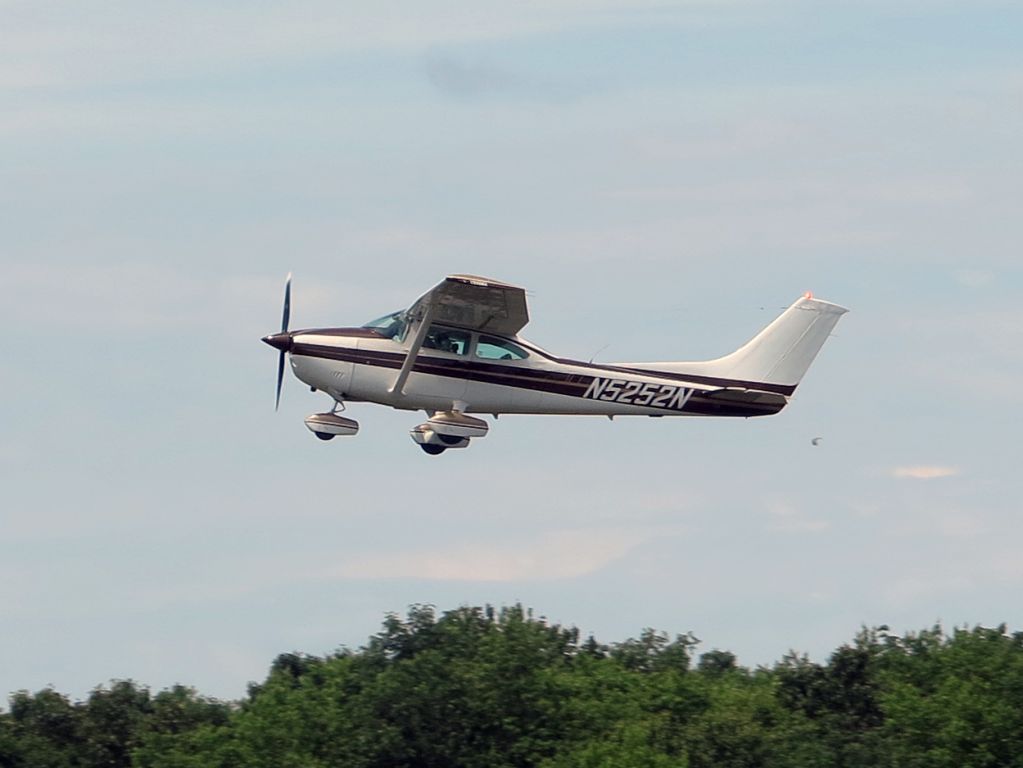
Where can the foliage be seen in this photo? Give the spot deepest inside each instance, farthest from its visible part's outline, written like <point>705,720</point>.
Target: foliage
<point>110,728</point>
<point>500,688</point>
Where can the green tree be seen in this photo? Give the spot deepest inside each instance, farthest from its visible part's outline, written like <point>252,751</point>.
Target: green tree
<point>44,728</point>
<point>840,700</point>
<point>184,730</point>
<point>111,724</point>
<point>654,651</point>
<point>717,662</point>
<point>500,688</point>
<point>956,700</point>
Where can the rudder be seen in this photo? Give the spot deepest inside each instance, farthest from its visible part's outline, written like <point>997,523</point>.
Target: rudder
<point>783,351</point>
<point>780,354</point>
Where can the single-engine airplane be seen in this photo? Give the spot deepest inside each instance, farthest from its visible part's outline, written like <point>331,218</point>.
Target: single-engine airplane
<point>456,351</point>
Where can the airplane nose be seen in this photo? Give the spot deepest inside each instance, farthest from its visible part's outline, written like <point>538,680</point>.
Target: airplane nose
<point>281,341</point>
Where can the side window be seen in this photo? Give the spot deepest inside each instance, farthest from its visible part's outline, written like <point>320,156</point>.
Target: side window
<point>490,348</point>
<point>447,340</point>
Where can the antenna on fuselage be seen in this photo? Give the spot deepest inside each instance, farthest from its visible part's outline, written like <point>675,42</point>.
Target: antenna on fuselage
<point>594,355</point>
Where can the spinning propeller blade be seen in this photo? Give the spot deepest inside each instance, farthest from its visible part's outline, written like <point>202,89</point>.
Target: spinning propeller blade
<point>280,380</point>
<point>282,340</point>
<point>287,305</point>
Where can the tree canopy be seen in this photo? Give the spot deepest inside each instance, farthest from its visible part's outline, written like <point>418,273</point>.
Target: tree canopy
<point>480,687</point>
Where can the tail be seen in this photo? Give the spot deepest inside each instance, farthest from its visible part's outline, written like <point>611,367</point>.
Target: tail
<point>777,357</point>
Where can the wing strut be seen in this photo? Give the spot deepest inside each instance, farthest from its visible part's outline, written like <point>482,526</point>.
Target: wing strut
<point>398,387</point>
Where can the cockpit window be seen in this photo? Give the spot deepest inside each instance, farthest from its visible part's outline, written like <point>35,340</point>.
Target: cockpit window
<point>491,348</point>
<point>447,340</point>
<point>392,326</point>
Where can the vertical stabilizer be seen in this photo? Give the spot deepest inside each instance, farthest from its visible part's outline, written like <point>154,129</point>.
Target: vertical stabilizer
<point>779,355</point>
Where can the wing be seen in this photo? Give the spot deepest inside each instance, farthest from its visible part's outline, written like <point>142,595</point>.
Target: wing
<point>465,301</point>
<point>476,303</point>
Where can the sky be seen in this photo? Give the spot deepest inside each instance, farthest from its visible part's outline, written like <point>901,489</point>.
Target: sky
<point>663,178</point>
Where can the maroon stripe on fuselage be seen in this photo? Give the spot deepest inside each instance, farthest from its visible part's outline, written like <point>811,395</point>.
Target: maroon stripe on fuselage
<point>555,382</point>
<point>711,381</point>
<point>354,333</point>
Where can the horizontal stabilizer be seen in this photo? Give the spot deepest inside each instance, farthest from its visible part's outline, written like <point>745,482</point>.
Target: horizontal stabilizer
<point>746,396</point>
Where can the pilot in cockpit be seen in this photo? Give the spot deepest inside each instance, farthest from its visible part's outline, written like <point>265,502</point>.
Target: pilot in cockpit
<point>445,343</point>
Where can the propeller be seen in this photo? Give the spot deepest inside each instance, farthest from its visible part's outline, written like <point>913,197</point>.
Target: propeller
<point>286,315</point>
<point>282,340</point>
<point>285,318</point>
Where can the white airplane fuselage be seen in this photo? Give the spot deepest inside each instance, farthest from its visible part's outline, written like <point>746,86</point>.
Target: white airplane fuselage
<point>360,364</point>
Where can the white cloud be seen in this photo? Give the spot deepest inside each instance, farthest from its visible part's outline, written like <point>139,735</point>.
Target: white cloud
<point>959,524</point>
<point>472,79</point>
<point>799,525</point>
<point>548,556</point>
<point>911,590</point>
<point>804,190</point>
<point>135,297</point>
<point>969,351</point>
<point>1005,566</point>
<point>50,44</point>
<point>116,296</point>
<point>973,278</point>
<point>787,518</point>
<point>555,555</point>
<point>924,472</point>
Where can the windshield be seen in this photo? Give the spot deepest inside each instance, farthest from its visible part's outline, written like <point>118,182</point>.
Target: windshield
<point>392,326</point>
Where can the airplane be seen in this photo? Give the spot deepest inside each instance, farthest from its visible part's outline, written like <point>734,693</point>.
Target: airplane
<point>457,351</point>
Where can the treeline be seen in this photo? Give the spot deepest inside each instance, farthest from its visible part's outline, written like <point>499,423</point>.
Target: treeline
<point>481,688</point>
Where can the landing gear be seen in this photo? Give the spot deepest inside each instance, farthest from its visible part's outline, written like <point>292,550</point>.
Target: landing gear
<point>448,429</point>
<point>327,426</point>
<point>435,443</point>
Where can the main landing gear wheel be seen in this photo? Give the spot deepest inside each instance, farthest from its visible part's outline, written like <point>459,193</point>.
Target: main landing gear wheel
<point>324,435</point>
<point>433,450</point>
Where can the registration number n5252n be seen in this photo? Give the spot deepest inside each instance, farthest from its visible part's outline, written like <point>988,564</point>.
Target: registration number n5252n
<point>648,394</point>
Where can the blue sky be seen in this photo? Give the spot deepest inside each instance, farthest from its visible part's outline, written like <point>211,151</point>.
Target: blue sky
<point>662,177</point>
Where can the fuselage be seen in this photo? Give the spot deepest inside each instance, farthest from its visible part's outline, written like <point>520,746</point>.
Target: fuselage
<point>490,373</point>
